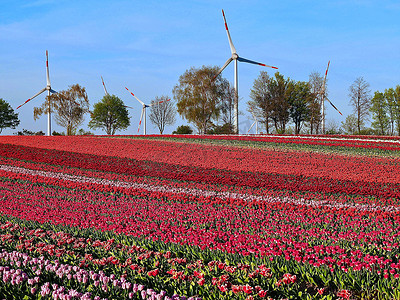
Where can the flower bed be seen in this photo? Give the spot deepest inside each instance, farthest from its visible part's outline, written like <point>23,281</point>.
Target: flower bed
<point>94,217</point>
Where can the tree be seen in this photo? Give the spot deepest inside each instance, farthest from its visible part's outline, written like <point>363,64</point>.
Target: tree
<point>299,98</point>
<point>227,110</point>
<point>332,127</point>
<point>261,105</point>
<point>8,118</point>
<point>397,113</point>
<point>390,97</point>
<point>70,107</point>
<point>315,80</point>
<point>110,114</point>
<point>379,109</point>
<point>350,126</point>
<point>162,112</point>
<point>278,88</point>
<point>360,99</point>
<point>199,97</point>
<point>270,94</point>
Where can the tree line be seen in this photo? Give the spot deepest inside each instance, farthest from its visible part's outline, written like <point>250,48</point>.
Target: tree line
<point>282,105</point>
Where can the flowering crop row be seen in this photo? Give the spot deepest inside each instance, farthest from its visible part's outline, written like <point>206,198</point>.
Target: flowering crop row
<point>267,225</point>
<point>354,144</point>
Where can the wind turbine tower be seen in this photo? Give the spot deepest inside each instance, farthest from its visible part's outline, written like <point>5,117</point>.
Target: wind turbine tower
<point>235,57</point>
<point>323,98</point>
<point>50,90</point>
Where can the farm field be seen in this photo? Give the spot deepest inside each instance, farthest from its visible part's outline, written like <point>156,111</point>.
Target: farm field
<point>199,217</point>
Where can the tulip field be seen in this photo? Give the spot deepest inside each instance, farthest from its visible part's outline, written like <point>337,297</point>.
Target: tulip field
<point>199,217</point>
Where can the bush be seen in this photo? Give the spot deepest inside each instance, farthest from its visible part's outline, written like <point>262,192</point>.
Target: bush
<point>227,128</point>
<point>55,133</point>
<point>28,132</point>
<point>368,131</point>
<point>183,129</point>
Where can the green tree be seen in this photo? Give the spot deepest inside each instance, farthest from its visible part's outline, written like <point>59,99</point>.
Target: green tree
<point>397,112</point>
<point>300,98</point>
<point>183,129</point>
<point>278,88</point>
<point>360,99</point>
<point>70,107</point>
<point>390,97</point>
<point>200,97</point>
<point>162,112</point>
<point>379,109</point>
<point>8,118</point>
<point>110,114</point>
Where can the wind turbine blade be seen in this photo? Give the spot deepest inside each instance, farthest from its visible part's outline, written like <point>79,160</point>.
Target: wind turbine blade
<point>333,106</point>
<point>233,50</point>
<point>47,68</point>
<point>53,91</point>
<point>223,67</point>
<point>135,96</point>
<point>105,90</point>
<point>254,62</point>
<point>252,113</point>
<point>32,97</point>
<point>251,126</point>
<point>324,82</point>
<point>127,106</point>
<point>141,116</point>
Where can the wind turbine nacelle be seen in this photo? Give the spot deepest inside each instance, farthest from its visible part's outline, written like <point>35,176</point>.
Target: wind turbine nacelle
<point>235,56</point>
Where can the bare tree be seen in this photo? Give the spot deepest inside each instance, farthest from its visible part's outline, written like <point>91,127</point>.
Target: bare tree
<point>315,81</point>
<point>270,94</point>
<point>261,100</point>
<point>360,99</point>
<point>227,109</point>
<point>162,112</point>
<point>70,107</point>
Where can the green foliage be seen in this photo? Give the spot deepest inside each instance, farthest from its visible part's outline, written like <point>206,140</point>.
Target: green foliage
<point>183,129</point>
<point>300,99</point>
<point>226,128</point>
<point>8,118</point>
<point>379,109</point>
<point>28,132</point>
<point>83,132</point>
<point>55,133</point>
<point>201,97</point>
<point>110,114</point>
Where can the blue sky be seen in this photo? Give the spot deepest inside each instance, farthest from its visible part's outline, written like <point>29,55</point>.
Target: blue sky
<point>147,45</point>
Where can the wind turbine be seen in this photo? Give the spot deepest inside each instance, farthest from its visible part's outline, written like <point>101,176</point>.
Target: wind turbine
<point>255,121</point>
<point>235,57</point>
<point>143,114</point>
<point>47,88</point>
<point>323,97</point>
